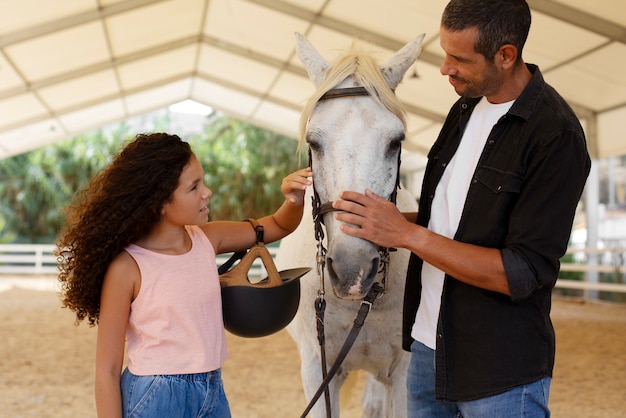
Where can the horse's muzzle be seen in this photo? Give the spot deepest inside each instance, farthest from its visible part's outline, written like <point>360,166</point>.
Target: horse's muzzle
<point>351,281</point>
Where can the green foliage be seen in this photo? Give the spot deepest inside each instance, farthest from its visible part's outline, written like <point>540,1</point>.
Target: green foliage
<point>38,185</point>
<point>5,236</point>
<point>614,277</point>
<point>244,167</point>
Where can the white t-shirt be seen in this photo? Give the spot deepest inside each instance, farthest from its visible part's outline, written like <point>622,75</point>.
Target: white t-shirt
<point>447,208</point>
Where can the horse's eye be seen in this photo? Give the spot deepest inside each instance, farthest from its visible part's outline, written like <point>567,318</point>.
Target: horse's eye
<point>315,146</point>
<point>394,146</point>
<point>314,142</point>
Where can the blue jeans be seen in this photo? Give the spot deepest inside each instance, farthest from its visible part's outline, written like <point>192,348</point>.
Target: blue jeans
<point>199,395</point>
<point>526,401</point>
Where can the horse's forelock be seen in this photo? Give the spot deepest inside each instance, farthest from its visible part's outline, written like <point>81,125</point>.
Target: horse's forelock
<point>364,68</point>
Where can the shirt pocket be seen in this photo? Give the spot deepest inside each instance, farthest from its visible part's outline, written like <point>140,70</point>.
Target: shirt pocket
<point>491,200</point>
<point>499,181</point>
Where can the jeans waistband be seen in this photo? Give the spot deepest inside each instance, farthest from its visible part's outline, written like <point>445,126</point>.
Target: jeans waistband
<point>205,376</point>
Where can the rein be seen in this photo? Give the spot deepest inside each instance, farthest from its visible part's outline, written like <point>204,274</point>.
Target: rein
<point>377,290</point>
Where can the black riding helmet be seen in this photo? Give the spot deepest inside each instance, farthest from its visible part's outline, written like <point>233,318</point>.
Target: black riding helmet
<point>258,309</point>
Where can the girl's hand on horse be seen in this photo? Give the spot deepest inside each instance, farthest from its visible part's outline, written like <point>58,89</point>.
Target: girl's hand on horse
<point>295,184</point>
<point>371,217</point>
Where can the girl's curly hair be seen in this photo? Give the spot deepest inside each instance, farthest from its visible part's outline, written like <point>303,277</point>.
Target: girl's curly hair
<point>121,205</point>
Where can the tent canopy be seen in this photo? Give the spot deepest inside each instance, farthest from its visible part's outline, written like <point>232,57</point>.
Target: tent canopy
<point>73,65</point>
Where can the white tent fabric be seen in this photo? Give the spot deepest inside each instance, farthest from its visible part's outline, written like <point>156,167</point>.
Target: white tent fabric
<point>73,65</point>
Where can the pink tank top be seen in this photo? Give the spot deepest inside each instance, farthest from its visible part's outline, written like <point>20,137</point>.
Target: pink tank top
<point>175,324</point>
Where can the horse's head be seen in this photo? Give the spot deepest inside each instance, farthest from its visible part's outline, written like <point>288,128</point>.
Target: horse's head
<point>354,143</point>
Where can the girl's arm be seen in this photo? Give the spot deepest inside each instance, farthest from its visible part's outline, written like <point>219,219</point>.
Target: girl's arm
<point>237,236</point>
<point>121,283</point>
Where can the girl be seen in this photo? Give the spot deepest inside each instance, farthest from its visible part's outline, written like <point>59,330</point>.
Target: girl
<point>137,257</point>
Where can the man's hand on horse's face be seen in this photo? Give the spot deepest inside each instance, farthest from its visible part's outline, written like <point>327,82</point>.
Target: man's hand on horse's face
<point>370,217</point>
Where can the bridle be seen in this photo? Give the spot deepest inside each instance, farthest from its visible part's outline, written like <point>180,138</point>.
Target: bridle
<point>377,290</point>
<point>320,209</point>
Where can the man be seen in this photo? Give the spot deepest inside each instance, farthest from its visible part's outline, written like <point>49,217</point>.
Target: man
<point>497,204</point>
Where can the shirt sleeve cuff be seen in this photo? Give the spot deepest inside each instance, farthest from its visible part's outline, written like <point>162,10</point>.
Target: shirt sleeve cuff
<point>521,278</point>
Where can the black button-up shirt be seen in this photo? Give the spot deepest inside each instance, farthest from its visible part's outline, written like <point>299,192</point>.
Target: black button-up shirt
<point>521,200</point>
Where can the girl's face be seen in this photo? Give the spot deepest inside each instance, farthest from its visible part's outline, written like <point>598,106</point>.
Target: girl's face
<point>189,204</point>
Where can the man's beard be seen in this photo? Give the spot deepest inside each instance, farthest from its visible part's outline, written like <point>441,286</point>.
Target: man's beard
<point>489,84</point>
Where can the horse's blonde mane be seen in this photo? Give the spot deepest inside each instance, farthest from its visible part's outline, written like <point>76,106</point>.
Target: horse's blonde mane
<point>364,69</point>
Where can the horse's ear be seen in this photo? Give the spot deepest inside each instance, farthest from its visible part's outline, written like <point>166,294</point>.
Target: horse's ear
<point>313,62</point>
<point>393,70</point>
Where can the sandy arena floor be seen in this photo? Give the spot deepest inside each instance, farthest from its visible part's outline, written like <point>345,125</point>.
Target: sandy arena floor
<point>47,364</point>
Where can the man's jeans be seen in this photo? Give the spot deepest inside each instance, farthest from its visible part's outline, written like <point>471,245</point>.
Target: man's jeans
<point>526,401</point>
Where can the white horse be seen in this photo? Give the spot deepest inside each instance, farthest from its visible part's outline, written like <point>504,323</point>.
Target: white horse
<point>354,143</point>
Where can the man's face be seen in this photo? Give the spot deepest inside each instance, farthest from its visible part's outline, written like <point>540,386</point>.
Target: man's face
<point>468,71</point>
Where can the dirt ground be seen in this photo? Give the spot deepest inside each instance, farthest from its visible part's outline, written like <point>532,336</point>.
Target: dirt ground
<point>47,364</point>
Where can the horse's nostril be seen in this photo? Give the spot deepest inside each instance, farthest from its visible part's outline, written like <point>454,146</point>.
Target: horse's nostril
<point>375,264</point>
<point>331,270</point>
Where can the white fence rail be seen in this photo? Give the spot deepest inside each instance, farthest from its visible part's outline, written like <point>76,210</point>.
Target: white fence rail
<point>592,262</point>
<point>39,259</point>
<point>27,259</point>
